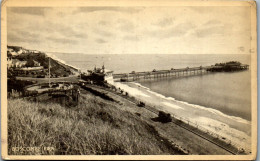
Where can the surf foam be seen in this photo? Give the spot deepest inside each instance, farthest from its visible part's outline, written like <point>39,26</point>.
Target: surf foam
<point>172,105</point>
<point>214,111</point>
<point>240,138</point>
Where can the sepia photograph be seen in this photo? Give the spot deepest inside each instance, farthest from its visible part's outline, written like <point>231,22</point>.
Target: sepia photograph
<point>128,79</point>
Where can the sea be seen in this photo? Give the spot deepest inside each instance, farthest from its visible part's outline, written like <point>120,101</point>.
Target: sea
<point>227,94</point>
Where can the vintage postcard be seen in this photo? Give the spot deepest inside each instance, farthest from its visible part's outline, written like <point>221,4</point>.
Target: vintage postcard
<point>129,79</point>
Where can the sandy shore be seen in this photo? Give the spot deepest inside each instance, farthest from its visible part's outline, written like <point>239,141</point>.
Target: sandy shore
<point>236,129</point>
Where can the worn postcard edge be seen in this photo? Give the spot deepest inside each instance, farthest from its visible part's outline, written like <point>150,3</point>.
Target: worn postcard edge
<point>77,3</point>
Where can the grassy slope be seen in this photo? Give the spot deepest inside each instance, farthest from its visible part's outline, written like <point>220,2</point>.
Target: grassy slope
<point>177,135</point>
<point>96,126</point>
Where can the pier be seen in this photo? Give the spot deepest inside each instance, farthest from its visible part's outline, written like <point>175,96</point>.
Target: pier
<point>133,76</point>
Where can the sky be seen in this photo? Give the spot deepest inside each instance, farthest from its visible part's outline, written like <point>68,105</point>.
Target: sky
<point>131,30</point>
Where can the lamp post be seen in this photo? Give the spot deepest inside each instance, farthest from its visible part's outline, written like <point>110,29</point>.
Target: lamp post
<point>49,73</point>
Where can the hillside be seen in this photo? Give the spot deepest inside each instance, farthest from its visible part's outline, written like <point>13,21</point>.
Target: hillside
<point>57,69</point>
<point>95,126</point>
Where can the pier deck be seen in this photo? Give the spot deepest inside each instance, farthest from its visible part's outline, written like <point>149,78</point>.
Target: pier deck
<point>126,77</point>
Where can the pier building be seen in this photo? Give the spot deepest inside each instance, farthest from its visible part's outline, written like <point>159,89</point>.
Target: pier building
<point>154,74</point>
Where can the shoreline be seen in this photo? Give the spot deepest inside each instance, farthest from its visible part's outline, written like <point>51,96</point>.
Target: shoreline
<point>231,127</point>
<point>117,95</point>
<point>210,109</point>
<point>54,57</point>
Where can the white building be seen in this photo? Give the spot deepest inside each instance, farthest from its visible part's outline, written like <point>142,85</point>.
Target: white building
<point>16,63</point>
<point>9,62</point>
<point>36,64</point>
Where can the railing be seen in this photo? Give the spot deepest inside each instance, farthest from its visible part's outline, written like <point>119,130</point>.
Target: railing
<point>161,73</point>
<point>170,70</point>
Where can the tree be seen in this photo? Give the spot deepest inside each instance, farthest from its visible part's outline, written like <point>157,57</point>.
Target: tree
<point>9,55</point>
<point>30,63</point>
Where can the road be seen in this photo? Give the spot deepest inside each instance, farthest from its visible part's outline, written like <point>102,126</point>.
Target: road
<point>71,78</point>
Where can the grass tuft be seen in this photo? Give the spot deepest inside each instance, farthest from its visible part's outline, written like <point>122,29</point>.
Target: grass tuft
<point>95,127</point>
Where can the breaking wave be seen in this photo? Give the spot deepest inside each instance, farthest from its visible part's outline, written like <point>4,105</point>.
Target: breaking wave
<point>214,111</point>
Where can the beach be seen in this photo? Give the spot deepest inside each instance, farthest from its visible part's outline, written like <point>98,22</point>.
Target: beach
<point>230,122</point>
<point>236,129</point>
<point>212,106</point>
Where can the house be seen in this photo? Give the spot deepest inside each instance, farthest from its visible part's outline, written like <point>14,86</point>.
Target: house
<point>13,52</point>
<point>25,51</point>
<point>36,64</point>
<point>17,63</point>
<point>9,62</point>
<point>35,51</point>
<point>10,50</point>
<point>40,68</point>
<point>20,51</point>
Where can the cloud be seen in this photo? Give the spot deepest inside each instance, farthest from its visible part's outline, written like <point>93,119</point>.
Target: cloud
<point>27,34</point>
<point>63,30</point>
<point>175,31</point>
<point>212,22</point>
<point>101,41</point>
<point>38,11</point>
<point>164,22</point>
<point>19,35</point>
<point>114,9</point>
<point>18,38</point>
<point>201,9</point>
<point>62,40</point>
<point>102,32</point>
<point>209,31</point>
<point>182,29</point>
<point>61,14</point>
<point>103,23</point>
<point>69,29</point>
<point>125,25</point>
<point>214,30</point>
<point>131,38</point>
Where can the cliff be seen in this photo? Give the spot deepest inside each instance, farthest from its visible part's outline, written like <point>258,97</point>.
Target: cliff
<point>19,57</point>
